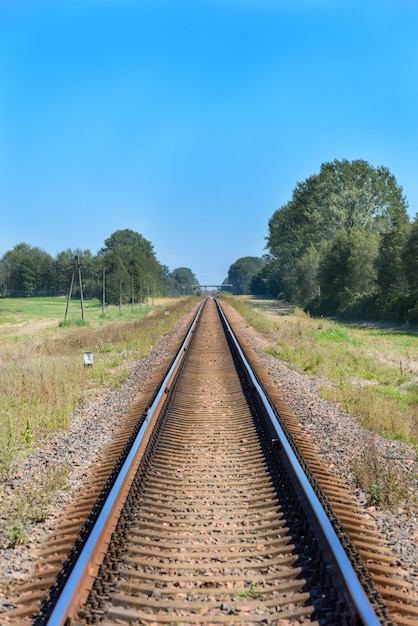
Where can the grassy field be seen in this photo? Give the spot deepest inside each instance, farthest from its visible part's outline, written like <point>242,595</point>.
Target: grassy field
<point>17,311</point>
<point>372,371</point>
<point>43,378</point>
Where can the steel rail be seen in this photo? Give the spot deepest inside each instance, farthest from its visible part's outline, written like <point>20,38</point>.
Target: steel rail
<point>60,612</point>
<point>63,605</point>
<point>353,587</point>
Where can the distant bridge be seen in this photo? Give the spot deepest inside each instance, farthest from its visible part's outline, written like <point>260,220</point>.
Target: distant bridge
<point>210,286</point>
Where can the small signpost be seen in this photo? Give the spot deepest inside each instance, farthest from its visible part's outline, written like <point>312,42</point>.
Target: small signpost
<point>88,359</point>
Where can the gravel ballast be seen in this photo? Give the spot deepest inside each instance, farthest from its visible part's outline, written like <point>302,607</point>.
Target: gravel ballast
<point>339,438</point>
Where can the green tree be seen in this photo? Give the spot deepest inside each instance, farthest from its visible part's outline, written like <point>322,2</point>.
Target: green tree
<point>4,279</point>
<point>364,196</point>
<point>306,275</point>
<point>343,196</point>
<point>241,273</point>
<point>28,271</point>
<point>183,281</point>
<point>131,267</point>
<point>391,268</point>
<point>64,262</point>
<point>410,259</point>
<point>348,267</point>
<point>267,281</point>
<point>90,267</point>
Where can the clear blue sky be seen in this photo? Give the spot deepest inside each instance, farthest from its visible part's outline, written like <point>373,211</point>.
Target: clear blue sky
<point>191,122</point>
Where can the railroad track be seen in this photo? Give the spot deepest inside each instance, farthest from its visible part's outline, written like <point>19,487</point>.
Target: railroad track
<point>218,512</point>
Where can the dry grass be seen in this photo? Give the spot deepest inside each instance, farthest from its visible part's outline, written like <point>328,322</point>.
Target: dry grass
<point>384,478</point>
<point>29,506</point>
<point>43,378</point>
<point>372,381</point>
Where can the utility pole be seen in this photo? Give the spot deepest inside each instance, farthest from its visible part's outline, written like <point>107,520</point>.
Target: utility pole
<point>77,265</point>
<point>132,278</point>
<point>104,290</point>
<point>120,294</point>
<point>81,288</point>
<point>70,292</point>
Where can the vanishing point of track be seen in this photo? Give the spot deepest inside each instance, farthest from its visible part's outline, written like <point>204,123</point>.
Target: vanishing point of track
<point>218,523</point>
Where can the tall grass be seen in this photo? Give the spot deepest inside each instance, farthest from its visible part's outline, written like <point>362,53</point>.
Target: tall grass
<point>383,478</point>
<point>367,373</point>
<point>42,374</point>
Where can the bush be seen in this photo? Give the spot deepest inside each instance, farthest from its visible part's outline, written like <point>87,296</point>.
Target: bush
<point>397,309</point>
<point>412,315</point>
<point>363,306</point>
<point>369,306</point>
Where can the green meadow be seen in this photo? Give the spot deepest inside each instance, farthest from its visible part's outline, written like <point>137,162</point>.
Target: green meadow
<point>371,370</point>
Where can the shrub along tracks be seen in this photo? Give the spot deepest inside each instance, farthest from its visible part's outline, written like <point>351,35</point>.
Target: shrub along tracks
<point>209,443</point>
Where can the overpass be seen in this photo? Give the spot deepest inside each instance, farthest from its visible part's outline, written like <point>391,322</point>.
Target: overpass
<point>211,286</point>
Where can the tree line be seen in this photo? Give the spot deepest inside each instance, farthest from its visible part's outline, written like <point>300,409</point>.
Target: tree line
<point>343,245</point>
<point>126,269</point>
